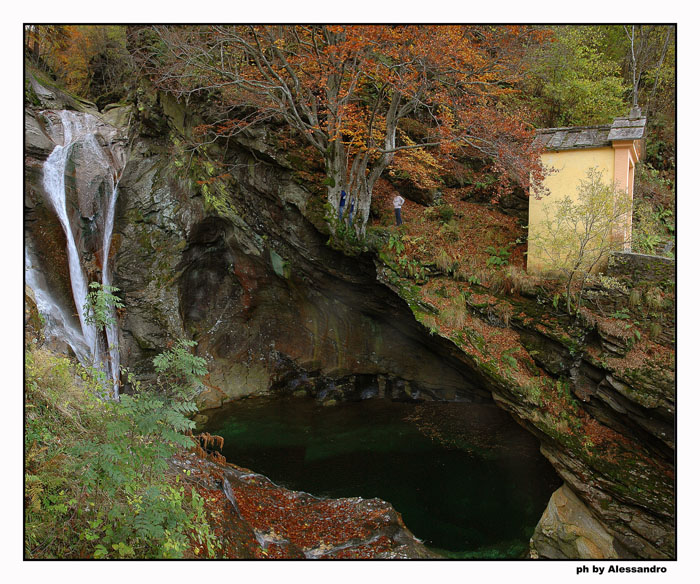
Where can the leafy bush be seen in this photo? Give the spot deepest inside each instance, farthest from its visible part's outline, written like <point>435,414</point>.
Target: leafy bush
<point>653,226</point>
<point>97,473</point>
<point>497,257</point>
<point>179,370</point>
<point>411,268</point>
<point>575,236</point>
<point>100,303</point>
<point>396,243</point>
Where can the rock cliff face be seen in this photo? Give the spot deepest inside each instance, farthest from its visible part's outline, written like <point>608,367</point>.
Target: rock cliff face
<point>241,265</point>
<point>271,305</point>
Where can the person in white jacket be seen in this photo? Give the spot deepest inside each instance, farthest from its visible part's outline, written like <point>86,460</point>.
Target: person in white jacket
<point>398,203</point>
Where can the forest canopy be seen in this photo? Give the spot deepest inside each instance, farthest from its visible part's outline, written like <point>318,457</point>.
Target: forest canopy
<point>397,98</point>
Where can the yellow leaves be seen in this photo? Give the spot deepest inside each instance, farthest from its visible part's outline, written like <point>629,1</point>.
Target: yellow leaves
<point>33,490</point>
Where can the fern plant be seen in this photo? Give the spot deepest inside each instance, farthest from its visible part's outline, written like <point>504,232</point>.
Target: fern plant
<point>497,257</point>
<point>133,509</point>
<point>179,371</point>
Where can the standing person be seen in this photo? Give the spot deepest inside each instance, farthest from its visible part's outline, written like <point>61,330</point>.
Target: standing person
<point>352,209</point>
<point>398,203</point>
<point>341,206</point>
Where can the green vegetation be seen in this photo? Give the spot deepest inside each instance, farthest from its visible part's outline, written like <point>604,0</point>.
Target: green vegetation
<point>202,172</point>
<point>100,302</point>
<point>497,257</point>
<point>98,481</point>
<point>575,237</point>
<point>574,82</point>
<point>99,478</point>
<point>92,61</point>
<point>654,212</point>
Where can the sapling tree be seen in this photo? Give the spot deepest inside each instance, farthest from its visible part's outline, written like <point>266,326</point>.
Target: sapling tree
<point>125,463</point>
<point>179,371</point>
<point>576,235</point>
<point>100,304</point>
<point>98,310</point>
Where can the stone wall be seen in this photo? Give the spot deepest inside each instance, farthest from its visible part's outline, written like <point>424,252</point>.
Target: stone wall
<point>641,269</point>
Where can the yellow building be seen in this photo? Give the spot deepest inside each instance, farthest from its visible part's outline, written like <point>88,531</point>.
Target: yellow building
<point>613,149</point>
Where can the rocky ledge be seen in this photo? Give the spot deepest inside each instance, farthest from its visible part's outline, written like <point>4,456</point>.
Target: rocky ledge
<point>255,518</point>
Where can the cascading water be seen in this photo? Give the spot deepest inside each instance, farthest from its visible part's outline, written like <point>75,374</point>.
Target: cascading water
<point>105,164</point>
<point>57,324</point>
<point>111,330</point>
<point>55,186</point>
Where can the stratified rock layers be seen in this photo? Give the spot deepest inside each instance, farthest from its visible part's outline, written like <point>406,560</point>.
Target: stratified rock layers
<point>246,272</point>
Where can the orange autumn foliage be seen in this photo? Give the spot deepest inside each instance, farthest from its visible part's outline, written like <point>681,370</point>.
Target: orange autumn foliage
<point>345,89</point>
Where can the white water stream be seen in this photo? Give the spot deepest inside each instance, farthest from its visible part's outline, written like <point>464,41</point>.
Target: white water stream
<point>57,324</point>
<point>82,129</point>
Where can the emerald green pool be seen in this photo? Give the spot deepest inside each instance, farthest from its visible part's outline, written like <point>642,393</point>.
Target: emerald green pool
<point>466,478</point>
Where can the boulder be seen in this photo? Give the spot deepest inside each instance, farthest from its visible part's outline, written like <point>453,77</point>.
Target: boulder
<point>568,530</point>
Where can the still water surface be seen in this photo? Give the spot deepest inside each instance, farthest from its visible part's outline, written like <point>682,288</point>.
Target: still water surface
<point>466,478</point>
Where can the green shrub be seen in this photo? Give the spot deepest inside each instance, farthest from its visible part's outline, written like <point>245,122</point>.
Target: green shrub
<point>446,213</point>
<point>497,257</point>
<point>98,481</point>
<point>654,225</point>
<point>99,304</point>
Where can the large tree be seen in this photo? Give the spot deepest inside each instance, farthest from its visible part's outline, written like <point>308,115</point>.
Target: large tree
<point>572,81</point>
<point>345,89</point>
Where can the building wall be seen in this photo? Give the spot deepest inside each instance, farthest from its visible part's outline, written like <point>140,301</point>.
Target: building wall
<point>625,159</point>
<point>571,167</point>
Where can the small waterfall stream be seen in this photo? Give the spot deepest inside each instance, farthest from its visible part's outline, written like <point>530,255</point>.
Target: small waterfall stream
<point>55,186</point>
<point>79,135</point>
<point>57,324</point>
<point>111,330</point>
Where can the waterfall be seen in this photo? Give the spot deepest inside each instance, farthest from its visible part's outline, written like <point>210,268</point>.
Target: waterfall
<point>55,187</point>
<point>81,130</point>
<point>112,331</point>
<point>57,324</point>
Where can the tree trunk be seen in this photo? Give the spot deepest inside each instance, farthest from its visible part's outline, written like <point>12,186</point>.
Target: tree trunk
<point>335,172</point>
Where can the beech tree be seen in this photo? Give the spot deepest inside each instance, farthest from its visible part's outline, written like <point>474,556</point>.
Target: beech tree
<point>345,89</point>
